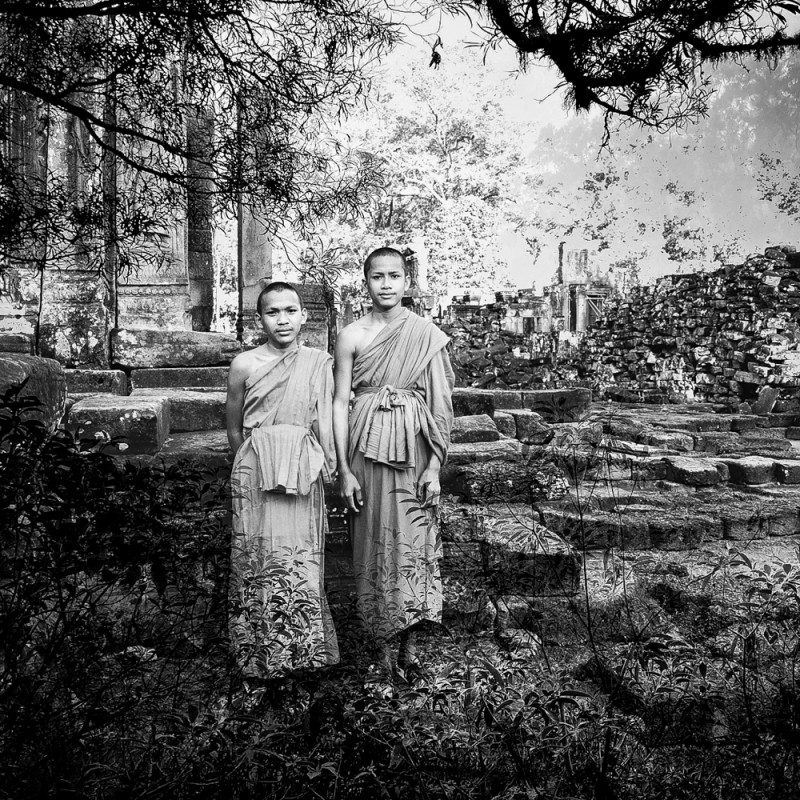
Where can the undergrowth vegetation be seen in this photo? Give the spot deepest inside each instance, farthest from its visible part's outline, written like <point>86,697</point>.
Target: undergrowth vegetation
<point>116,679</point>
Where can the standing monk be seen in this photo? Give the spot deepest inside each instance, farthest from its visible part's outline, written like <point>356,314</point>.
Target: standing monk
<point>390,452</point>
<point>279,428</point>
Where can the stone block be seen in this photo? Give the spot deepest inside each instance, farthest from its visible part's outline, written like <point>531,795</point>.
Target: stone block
<point>136,348</point>
<point>784,419</point>
<point>208,448</point>
<point>474,428</point>
<point>670,440</point>
<point>43,379</point>
<point>506,423</point>
<point>498,482</point>
<point>96,381</point>
<point>757,442</point>
<point>480,452</point>
<point>793,433</point>
<point>190,411</point>
<point>529,560</point>
<point>716,442</point>
<point>743,423</point>
<point>507,398</point>
<point>754,445</point>
<point>140,424</point>
<point>469,402</point>
<point>747,516</point>
<point>684,531</point>
<point>180,378</point>
<point>530,426</point>
<point>16,343</point>
<point>787,470</point>
<point>751,470</point>
<point>75,318</point>
<point>739,524</point>
<point>559,405</point>
<point>598,530</point>
<point>767,397</point>
<point>691,471</point>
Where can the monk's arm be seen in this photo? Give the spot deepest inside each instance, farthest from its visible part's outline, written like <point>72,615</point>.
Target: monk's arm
<point>349,488</point>
<point>234,403</point>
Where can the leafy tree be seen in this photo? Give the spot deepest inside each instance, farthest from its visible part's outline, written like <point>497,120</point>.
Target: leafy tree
<point>225,98</point>
<point>450,159</point>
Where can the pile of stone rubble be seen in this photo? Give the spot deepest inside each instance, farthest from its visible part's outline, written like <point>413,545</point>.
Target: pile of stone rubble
<point>711,336</point>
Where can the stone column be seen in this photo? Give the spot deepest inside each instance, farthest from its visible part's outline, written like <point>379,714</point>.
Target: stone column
<point>255,271</point>
<point>155,293</point>
<point>23,143</point>
<point>199,201</point>
<point>580,308</point>
<point>76,307</point>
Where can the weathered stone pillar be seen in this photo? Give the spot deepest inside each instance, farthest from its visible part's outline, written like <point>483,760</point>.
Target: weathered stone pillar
<point>156,295</point>
<point>255,269</point>
<point>24,144</point>
<point>580,308</point>
<point>200,249</point>
<point>76,307</point>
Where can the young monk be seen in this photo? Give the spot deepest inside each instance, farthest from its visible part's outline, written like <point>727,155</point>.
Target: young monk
<point>279,428</point>
<point>390,448</point>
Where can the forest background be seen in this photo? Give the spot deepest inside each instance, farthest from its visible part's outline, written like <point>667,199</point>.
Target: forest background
<point>487,171</point>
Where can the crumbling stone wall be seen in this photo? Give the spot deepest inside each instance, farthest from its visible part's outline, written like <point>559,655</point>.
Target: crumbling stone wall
<point>487,358</point>
<point>714,336</point>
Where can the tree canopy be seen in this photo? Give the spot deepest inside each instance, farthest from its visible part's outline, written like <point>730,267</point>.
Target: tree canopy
<point>259,79</point>
<point>642,59</point>
<point>450,156</point>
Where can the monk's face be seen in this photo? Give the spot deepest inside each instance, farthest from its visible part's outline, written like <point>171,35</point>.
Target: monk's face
<point>282,317</point>
<point>387,281</point>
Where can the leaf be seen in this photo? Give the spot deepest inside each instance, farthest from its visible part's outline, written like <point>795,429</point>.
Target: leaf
<point>496,674</point>
<point>159,574</point>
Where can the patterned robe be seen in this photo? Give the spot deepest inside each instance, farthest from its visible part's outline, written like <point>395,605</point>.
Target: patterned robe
<point>402,413</point>
<point>280,619</point>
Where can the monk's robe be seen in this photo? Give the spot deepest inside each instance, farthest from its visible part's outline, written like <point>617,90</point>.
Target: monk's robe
<point>280,619</point>
<point>402,412</point>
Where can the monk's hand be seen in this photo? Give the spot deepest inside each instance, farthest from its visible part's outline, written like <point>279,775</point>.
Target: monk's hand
<point>428,488</point>
<point>350,491</point>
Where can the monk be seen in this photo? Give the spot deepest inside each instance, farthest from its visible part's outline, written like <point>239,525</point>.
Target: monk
<point>390,448</point>
<point>279,427</point>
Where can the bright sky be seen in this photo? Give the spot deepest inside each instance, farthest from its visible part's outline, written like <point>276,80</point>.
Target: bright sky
<point>730,198</point>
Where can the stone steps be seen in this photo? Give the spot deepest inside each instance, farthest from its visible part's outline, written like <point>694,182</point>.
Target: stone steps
<point>197,378</point>
<point>673,516</point>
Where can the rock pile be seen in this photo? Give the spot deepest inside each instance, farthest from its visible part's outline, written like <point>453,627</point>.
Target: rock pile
<point>714,336</point>
<point>490,359</point>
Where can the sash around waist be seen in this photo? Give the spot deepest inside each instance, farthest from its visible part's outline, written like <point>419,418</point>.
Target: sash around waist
<point>289,458</point>
<point>389,396</point>
<point>391,418</point>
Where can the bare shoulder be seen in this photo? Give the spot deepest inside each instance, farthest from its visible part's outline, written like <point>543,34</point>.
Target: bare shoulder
<point>350,338</point>
<point>240,368</point>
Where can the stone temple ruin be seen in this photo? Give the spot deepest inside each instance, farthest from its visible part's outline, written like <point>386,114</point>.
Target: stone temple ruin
<point>673,425</point>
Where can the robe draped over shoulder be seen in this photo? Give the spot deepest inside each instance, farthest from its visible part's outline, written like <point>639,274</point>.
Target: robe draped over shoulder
<point>391,406</point>
<point>280,618</point>
<point>401,415</point>
<point>279,408</point>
